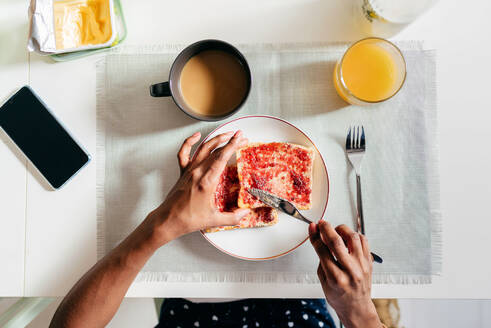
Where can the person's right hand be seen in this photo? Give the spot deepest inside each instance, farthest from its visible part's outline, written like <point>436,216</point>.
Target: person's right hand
<point>345,273</point>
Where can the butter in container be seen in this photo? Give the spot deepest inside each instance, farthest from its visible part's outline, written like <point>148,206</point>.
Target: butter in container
<point>61,26</point>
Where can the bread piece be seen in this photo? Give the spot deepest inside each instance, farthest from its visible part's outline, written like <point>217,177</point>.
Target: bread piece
<point>258,217</point>
<point>226,196</point>
<point>283,169</point>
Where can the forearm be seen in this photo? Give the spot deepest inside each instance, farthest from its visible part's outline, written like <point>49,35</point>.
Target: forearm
<point>94,300</point>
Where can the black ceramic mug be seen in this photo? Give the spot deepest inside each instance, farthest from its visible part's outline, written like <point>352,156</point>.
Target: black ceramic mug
<point>172,87</point>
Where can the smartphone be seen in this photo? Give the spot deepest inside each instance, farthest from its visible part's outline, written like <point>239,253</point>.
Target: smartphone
<point>41,137</point>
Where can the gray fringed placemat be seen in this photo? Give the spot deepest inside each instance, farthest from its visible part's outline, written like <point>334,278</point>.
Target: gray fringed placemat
<point>138,137</point>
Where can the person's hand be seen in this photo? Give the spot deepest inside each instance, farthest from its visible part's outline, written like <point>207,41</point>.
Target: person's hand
<point>190,205</point>
<point>345,273</point>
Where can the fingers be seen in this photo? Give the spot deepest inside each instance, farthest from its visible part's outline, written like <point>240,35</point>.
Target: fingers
<point>219,161</point>
<point>205,150</point>
<point>231,218</point>
<point>185,151</point>
<point>351,239</point>
<point>321,249</point>
<point>335,243</point>
<point>365,247</point>
<point>327,261</point>
<point>313,229</point>
<point>321,274</point>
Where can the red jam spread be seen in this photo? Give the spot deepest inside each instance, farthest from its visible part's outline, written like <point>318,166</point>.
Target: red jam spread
<point>227,193</point>
<point>280,168</point>
<point>264,214</point>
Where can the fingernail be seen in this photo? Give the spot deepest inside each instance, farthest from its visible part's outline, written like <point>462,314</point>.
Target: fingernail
<point>238,133</point>
<point>244,212</point>
<point>226,136</point>
<point>196,134</point>
<point>312,229</point>
<point>229,133</point>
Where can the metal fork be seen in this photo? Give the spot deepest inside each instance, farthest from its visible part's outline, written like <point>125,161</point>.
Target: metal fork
<point>355,149</point>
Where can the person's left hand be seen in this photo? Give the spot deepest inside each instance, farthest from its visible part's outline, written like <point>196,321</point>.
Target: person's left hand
<point>190,205</point>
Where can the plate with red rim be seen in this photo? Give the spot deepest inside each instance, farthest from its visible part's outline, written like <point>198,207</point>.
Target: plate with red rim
<point>267,243</point>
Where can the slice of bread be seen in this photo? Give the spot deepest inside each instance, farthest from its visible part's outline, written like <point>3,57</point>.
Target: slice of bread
<point>258,217</point>
<point>283,169</point>
<point>226,195</point>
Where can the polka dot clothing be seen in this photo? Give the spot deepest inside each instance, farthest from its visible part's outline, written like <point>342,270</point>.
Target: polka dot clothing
<point>250,313</point>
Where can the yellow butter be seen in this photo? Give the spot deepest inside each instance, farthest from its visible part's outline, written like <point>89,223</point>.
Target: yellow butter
<point>81,22</point>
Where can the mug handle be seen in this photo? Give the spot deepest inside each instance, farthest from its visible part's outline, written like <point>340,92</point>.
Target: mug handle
<point>160,90</point>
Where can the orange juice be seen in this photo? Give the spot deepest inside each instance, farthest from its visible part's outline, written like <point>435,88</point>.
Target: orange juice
<point>371,70</point>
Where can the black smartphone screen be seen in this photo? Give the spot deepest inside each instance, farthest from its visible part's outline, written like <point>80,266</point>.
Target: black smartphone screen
<point>41,137</point>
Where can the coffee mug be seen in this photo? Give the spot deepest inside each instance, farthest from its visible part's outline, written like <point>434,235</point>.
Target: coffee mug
<point>172,88</point>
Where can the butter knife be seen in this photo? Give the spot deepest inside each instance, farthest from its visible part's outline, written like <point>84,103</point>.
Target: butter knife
<point>287,208</point>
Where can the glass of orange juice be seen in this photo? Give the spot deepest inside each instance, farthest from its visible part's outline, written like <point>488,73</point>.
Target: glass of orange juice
<point>371,70</point>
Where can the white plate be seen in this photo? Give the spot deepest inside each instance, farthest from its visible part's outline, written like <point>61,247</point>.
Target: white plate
<point>289,233</point>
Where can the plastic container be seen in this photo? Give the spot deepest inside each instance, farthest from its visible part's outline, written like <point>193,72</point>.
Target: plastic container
<point>119,31</point>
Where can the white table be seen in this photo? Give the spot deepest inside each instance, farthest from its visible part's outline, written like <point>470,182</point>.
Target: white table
<point>48,239</point>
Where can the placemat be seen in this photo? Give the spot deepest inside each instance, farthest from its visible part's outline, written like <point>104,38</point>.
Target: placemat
<point>138,137</point>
